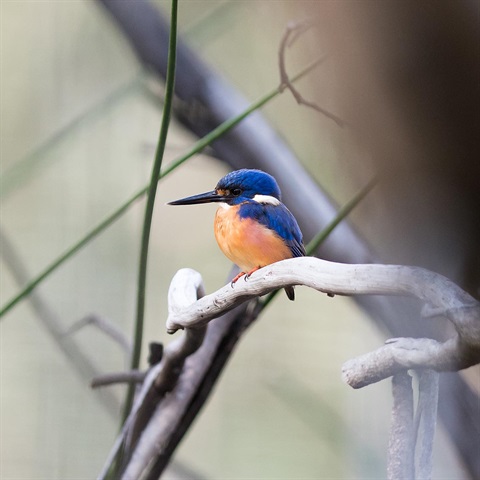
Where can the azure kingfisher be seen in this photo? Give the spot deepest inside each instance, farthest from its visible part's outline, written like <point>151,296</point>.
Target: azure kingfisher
<point>253,228</point>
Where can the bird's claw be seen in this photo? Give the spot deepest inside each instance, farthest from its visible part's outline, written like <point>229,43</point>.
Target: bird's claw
<point>234,281</point>
<point>245,275</point>
<point>249,274</point>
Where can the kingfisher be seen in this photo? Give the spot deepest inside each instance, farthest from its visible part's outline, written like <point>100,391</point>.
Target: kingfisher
<point>253,228</point>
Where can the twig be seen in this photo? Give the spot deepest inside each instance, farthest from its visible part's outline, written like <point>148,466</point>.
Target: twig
<point>133,376</point>
<point>104,325</point>
<point>292,32</point>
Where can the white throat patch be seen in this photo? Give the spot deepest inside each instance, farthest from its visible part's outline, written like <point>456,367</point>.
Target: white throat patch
<point>224,205</point>
<point>266,199</point>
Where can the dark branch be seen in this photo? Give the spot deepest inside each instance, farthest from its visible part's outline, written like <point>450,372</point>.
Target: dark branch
<point>292,32</point>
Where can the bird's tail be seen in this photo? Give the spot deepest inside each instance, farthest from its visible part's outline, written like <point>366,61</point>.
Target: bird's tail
<point>290,293</point>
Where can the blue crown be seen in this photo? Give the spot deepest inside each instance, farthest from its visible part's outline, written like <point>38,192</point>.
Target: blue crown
<point>247,183</point>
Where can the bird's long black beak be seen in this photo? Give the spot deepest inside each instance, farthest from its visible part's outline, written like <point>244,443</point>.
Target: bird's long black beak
<point>206,197</point>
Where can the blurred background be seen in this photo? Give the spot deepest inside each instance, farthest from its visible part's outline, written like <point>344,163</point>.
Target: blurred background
<point>79,125</point>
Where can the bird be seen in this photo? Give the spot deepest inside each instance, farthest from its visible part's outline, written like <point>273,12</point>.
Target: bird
<point>252,226</point>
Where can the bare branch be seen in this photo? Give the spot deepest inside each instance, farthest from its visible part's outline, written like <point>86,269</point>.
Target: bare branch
<point>292,32</point>
<point>104,325</point>
<point>459,307</point>
<point>339,279</point>
<point>405,353</point>
<point>133,376</point>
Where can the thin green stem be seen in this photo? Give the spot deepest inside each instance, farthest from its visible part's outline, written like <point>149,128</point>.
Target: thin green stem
<point>321,236</point>
<point>197,147</point>
<point>71,251</point>
<point>318,239</point>
<point>152,190</point>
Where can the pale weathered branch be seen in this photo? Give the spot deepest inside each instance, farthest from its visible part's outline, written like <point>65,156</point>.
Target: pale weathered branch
<point>410,447</point>
<point>425,422</point>
<point>401,447</point>
<point>339,279</point>
<point>407,353</point>
<point>459,307</point>
<point>393,359</point>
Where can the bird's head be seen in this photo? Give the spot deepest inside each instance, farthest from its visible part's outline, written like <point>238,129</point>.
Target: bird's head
<point>238,187</point>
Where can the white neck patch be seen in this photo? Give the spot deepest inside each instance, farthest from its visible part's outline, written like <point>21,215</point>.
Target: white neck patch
<point>266,199</point>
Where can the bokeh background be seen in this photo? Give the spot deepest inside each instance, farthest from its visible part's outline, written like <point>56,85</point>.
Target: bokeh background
<point>79,125</point>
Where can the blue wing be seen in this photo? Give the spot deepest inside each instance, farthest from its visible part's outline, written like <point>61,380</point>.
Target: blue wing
<point>279,219</point>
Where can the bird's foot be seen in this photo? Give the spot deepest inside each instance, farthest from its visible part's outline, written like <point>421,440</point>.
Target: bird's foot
<point>241,274</point>
<point>247,275</point>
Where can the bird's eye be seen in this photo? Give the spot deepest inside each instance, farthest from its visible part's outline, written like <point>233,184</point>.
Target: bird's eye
<point>236,192</point>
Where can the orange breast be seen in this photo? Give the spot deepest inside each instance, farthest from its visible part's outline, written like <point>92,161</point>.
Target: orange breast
<point>247,243</point>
